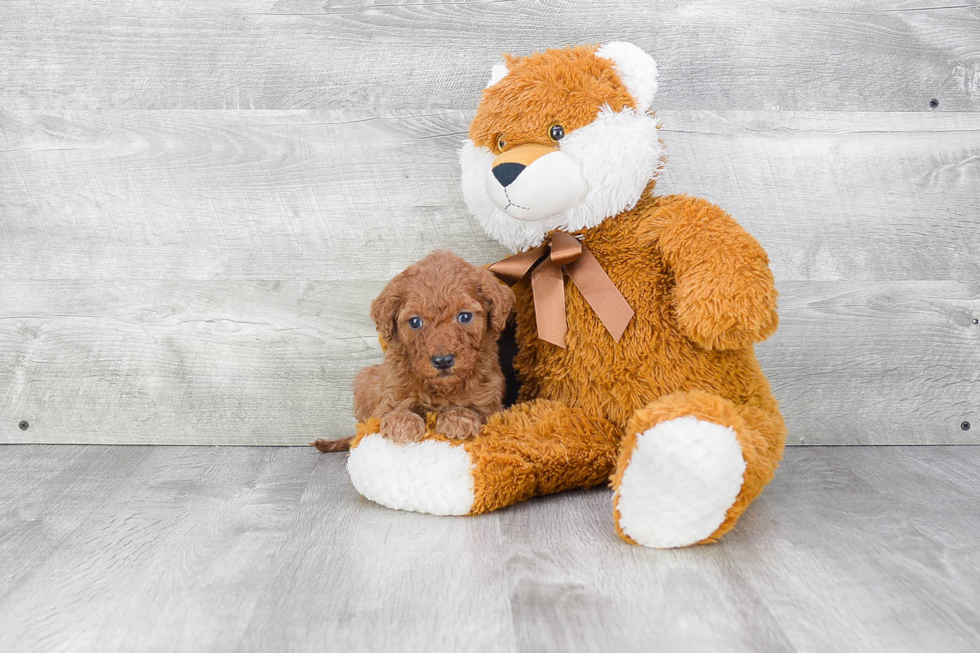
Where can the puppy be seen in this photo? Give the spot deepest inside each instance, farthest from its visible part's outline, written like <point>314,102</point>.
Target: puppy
<point>440,320</point>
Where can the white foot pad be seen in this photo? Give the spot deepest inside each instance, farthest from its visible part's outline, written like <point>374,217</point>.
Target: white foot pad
<point>681,480</point>
<point>428,476</point>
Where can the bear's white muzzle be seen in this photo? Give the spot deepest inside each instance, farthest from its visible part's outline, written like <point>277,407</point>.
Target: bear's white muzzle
<point>547,187</point>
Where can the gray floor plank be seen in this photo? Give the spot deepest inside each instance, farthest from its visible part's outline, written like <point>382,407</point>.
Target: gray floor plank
<point>47,495</point>
<point>170,558</point>
<point>358,577</point>
<point>259,549</point>
<point>844,565</point>
<point>575,587</point>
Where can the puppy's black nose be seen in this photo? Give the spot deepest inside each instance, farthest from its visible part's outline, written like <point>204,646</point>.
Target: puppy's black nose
<point>443,361</point>
<point>506,173</point>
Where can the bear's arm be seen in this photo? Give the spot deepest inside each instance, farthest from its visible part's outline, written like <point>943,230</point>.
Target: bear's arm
<point>724,297</point>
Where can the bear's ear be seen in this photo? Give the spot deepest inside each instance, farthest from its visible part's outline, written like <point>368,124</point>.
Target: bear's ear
<point>636,68</point>
<point>497,73</point>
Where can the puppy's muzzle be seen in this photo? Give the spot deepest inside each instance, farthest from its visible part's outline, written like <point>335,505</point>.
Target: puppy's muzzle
<point>443,361</point>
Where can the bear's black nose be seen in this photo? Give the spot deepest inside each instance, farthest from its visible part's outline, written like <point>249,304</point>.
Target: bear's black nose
<point>443,361</point>
<point>506,173</point>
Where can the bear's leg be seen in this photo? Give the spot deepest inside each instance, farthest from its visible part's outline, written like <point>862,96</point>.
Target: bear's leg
<point>532,449</point>
<point>690,464</point>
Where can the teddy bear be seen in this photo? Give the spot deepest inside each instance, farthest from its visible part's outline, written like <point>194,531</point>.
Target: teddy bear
<point>636,316</point>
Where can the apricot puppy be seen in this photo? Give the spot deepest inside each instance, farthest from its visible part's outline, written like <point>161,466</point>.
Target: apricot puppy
<point>440,319</point>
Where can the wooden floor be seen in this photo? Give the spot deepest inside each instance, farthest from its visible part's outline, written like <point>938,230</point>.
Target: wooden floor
<point>270,549</point>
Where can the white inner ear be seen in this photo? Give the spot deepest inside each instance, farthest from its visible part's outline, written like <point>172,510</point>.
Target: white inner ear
<point>636,68</point>
<point>497,73</point>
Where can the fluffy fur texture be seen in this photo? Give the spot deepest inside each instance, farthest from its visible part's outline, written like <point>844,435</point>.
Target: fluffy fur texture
<point>610,153</point>
<point>418,315</point>
<point>682,476</point>
<point>539,448</point>
<point>702,292</point>
<point>636,69</point>
<point>432,476</point>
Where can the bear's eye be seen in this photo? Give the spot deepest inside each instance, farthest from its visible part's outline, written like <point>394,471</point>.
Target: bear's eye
<point>557,132</point>
<point>415,322</point>
<point>501,143</point>
<point>464,317</point>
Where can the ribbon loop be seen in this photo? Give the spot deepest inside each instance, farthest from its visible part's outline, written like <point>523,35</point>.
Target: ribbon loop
<point>547,265</point>
<point>513,268</point>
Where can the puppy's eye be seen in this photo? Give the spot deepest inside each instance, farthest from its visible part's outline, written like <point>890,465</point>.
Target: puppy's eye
<point>464,317</point>
<point>501,143</point>
<point>557,132</point>
<point>415,322</point>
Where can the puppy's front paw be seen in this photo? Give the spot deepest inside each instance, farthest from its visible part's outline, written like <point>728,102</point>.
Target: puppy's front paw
<point>403,426</point>
<point>458,423</point>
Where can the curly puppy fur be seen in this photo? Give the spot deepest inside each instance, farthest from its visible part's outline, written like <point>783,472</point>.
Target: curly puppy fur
<point>408,384</point>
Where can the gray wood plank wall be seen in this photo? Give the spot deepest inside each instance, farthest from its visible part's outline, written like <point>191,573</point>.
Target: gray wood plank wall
<point>199,200</point>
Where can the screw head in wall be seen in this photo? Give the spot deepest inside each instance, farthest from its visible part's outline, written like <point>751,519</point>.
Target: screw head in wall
<point>976,321</point>
<point>965,426</point>
<point>23,425</point>
<point>933,103</point>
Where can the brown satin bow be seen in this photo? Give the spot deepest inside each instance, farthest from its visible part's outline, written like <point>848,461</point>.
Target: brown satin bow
<point>568,254</point>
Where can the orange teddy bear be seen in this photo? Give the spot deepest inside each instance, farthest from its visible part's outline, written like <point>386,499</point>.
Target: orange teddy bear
<point>636,316</point>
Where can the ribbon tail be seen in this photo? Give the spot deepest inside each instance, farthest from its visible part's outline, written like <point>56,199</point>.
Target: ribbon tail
<point>548,289</point>
<point>601,293</point>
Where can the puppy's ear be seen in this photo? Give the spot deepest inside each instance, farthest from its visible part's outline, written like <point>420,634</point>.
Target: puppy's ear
<point>498,299</point>
<point>385,307</point>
